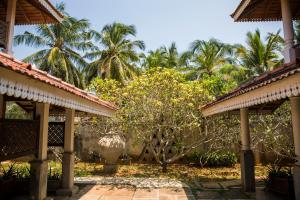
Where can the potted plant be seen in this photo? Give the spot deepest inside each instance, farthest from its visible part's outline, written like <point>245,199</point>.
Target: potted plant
<point>280,180</point>
<point>7,181</point>
<point>112,145</point>
<point>54,180</point>
<point>23,178</point>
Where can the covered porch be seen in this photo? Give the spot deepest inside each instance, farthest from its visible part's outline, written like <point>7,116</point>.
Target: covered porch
<point>263,95</point>
<point>43,97</point>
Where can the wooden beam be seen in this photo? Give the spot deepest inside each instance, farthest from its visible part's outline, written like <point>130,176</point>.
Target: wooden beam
<point>2,106</point>
<point>42,111</point>
<point>23,12</point>
<point>10,19</point>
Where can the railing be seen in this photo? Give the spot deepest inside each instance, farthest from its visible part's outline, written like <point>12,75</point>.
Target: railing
<point>56,134</point>
<point>3,34</point>
<point>18,138</point>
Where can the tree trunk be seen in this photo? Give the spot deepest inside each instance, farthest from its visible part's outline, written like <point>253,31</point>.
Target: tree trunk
<point>164,167</point>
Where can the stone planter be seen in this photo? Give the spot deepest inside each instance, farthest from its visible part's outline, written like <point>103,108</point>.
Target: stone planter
<point>111,146</point>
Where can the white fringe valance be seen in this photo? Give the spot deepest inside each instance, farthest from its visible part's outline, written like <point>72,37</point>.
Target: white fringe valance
<point>23,91</point>
<point>282,92</point>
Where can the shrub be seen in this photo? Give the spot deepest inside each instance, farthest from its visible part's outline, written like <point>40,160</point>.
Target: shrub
<point>217,159</point>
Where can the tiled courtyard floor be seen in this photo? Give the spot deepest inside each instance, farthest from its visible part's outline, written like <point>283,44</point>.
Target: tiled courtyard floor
<point>100,192</point>
<point>111,188</point>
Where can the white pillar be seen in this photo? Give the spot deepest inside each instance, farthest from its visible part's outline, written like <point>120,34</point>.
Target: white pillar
<point>2,106</point>
<point>288,28</point>
<point>68,158</point>
<point>245,131</point>
<point>247,157</point>
<point>295,109</point>
<point>10,19</point>
<point>39,167</point>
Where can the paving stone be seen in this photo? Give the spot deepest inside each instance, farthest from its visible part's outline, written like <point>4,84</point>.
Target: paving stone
<point>231,183</point>
<point>146,194</point>
<point>211,185</point>
<point>208,195</point>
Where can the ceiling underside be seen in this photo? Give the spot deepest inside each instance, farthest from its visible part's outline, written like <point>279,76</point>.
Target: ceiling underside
<point>32,12</point>
<point>264,10</point>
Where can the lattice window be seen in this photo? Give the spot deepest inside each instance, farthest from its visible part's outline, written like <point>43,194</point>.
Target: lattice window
<point>18,138</point>
<point>56,134</point>
<point>3,30</point>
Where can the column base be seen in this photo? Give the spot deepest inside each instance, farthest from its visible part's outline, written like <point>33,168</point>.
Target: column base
<point>39,175</point>
<point>67,175</point>
<point>247,171</point>
<point>67,192</point>
<point>296,176</point>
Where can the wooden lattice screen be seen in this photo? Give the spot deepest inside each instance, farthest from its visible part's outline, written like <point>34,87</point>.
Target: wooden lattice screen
<point>18,138</point>
<point>56,134</point>
<point>3,34</point>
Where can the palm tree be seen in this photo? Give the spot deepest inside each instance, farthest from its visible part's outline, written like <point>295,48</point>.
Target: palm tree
<point>172,55</point>
<point>60,45</point>
<point>205,57</point>
<point>165,57</point>
<point>259,57</point>
<point>156,58</point>
<point>117,60</point>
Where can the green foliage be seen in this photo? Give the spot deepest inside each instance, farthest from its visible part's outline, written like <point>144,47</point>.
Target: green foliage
<point>226,159</point>
<point>54,174</point>
<point>259,56</point>
<point>204,57</point>
<point>275,171</point>
<point>14,111</point>
<point>216,159</point>
<point>216,85</point>
<point>117,60</point>
<point>61,46</point>
<point>8,173</point>
<point>164,57</point>
<point>107,89</point>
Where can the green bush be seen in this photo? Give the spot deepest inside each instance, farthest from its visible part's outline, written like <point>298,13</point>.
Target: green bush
<point>216,159</point>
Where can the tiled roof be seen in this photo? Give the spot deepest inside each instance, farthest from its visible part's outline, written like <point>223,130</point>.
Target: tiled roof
<point>267,78</point>
<point>26,69</point>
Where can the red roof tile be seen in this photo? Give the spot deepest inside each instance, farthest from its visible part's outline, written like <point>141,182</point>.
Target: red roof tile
<point>11,63</point>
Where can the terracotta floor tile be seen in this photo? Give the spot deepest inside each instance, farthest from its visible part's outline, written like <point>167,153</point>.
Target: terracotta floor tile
<point>127,192</point>
<point>146,194</point>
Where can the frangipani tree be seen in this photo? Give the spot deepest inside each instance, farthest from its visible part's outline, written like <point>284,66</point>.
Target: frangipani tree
<point>161,105</point>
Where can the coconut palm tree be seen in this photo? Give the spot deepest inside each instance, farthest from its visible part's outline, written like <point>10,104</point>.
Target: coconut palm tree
<point>259,56</point>
<point>60,46</point>
<point>118,57</point>
<point>164,57</point>
<point>156,58</point>
<point>204,57</point>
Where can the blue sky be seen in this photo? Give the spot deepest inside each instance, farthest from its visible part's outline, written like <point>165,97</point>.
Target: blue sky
<point>159,22</point>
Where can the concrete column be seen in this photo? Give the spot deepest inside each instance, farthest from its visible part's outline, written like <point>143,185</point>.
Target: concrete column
<point>295,108</point>
<point>2,106</point>
<point>10,19</point>
<point>68,158</point>
<point>39,167</point>
<point>288,29</point>
<point>247,157</point>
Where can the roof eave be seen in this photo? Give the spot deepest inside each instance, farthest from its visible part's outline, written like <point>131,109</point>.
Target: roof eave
<point>52,10</point>
<point>240,9</point>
